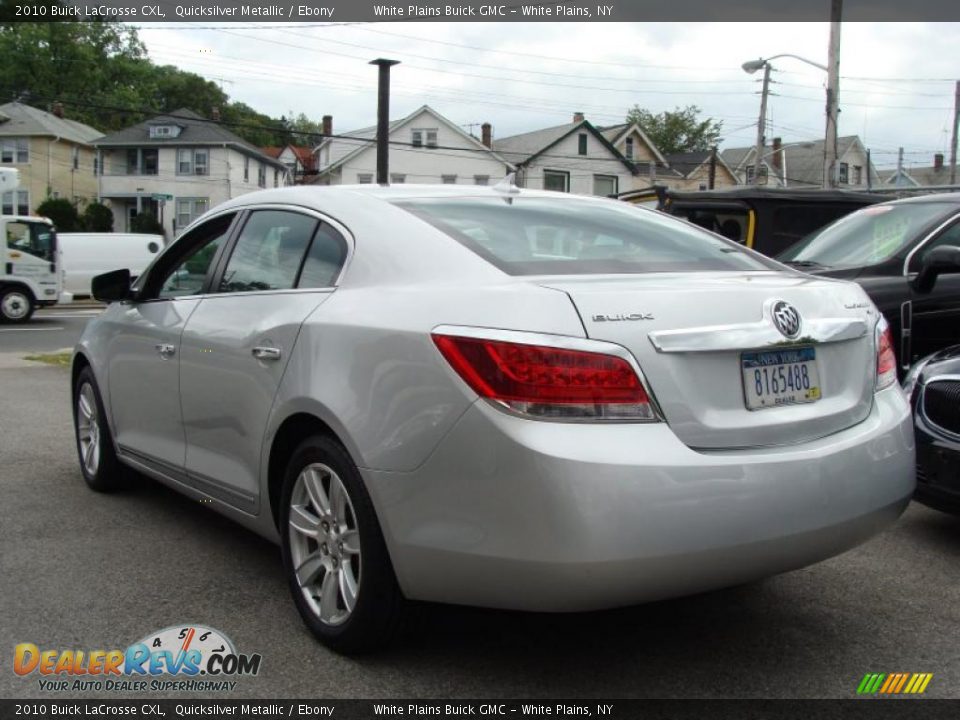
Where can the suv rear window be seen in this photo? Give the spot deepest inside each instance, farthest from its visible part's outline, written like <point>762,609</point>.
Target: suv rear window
<point>544,236</point>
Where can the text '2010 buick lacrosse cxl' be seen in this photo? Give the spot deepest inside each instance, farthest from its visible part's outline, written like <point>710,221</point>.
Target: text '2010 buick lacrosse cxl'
<point>496,397</point>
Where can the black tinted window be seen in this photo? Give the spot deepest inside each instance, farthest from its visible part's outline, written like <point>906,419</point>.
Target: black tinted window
<point>541,236</point>
<point>183,268</point>
<point>269,252</point>
<point>324,260</point>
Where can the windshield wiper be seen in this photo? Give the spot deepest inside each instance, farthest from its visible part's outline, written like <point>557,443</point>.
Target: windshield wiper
<point>805,264</point>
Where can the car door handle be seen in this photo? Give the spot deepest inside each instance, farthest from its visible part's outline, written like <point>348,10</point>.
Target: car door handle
<point>166,350</point>
<point>266,353</point>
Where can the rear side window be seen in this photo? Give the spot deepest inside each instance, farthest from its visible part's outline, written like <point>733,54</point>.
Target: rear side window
<point>269,252</point>
<point>544,236</point>
<point>324,260</point>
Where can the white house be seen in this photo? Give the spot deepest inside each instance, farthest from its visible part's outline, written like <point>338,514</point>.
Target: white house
<point>425,147</point>
<point>576,158</point>
<point>178,166</point>
<point>800,164</point>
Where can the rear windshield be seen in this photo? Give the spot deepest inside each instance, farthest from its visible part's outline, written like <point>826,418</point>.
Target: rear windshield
<point>566,236</point>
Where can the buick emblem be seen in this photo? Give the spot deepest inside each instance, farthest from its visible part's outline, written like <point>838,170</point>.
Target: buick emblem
<point>786,318</point>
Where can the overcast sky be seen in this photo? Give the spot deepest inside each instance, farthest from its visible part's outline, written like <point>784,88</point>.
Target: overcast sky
<point>896,88</point>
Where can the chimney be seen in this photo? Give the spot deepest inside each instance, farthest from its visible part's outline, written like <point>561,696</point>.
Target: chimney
<point>215,113</point>
<point>485,134</point>
<point>776,159</point>
<point>578,117</point>
<point>938,161</point>
<point>58,111</point>
<point>327,127</point>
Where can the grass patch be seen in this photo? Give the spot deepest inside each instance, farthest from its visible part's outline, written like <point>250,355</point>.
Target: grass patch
<point>61,359</point>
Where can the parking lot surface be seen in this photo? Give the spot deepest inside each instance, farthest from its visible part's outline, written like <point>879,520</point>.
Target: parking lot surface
<point>88,571</point>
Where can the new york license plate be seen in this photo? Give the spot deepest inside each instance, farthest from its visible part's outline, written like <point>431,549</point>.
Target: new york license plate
<point>780,377</point>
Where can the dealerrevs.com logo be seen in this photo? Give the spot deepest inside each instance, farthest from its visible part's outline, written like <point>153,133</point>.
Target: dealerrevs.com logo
<point>179,658</point>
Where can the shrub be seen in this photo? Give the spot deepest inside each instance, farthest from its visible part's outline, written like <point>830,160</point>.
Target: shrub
<point>62,212</point>
<point>97,217</point>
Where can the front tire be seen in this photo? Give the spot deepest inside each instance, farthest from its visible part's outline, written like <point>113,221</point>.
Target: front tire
<point>16,305</point>
<point>334,554</point>
<point>98,457</point>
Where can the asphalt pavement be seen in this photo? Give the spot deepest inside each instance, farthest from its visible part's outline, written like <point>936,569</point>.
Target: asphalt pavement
<point>88,571</point>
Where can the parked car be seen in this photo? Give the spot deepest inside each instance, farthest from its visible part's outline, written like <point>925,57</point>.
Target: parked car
<point>904,254</point>
<point>85,255</point>
<point>768,220</point>
<point>496,397</point>
<point>933,386</point>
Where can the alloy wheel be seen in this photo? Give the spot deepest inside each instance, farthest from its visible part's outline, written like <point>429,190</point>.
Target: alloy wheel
<point>88,429</point>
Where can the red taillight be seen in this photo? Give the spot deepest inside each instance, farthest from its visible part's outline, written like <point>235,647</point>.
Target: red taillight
<point>548,381</point>
<point>886,358</point>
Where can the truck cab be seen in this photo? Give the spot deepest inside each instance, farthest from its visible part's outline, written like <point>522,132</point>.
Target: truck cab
<point>30,273</point>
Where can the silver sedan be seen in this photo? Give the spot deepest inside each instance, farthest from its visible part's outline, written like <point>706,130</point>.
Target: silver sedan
<point>496,397</point>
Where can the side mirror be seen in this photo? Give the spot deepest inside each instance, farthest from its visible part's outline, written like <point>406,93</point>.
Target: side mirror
<point>943,259</point>
<point>112,286</point>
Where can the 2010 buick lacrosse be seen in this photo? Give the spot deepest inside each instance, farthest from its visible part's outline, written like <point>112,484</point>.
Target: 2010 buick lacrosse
<point>495,397</point>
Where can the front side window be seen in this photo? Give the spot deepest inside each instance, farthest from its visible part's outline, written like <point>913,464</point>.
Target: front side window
<point>950,236</point>
<point>32,238</point>
<point>269,252</point>
<point>556,180</point>
<point>191,265</point>
<point>869,236</point>
<point>544,236</point>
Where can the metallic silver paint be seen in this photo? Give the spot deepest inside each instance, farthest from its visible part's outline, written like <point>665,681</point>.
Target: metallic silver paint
<point>479,506</point>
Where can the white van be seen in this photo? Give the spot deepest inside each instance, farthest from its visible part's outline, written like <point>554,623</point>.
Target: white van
<point>84,255</point>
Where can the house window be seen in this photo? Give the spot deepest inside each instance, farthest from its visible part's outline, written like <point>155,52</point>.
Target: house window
<point>763,174</point>
<point>605,185</point>
<point>16,202</point>
<point>481,179</point>
<point>189,209</point>
<point>191,161</point>
<point>15,150</point>
<point>582,144</point>
<point>449,179</point>
<point>246,169</point>
<point>276,177</point>
<point>96,164</point>
<point>164,131</point>
<point>557,180</point>
<point>76,158</point>
<point>431,138</point>
<point>142,161</point>
<point>397,178</point>
<point>365,178</point>
<point>857,174</point>
<point>629,149</point>
<point>844,173</point>
<point>417,140</point>
<point>262,176</point>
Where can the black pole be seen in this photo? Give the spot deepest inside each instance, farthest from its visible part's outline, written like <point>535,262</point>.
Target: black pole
<point>383,118</point>
<point>713,167</point>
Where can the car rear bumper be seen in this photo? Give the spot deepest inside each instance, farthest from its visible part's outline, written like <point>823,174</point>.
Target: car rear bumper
<point>530,515</point>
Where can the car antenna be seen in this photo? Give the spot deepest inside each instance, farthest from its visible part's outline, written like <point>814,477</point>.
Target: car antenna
<point>507,185</point>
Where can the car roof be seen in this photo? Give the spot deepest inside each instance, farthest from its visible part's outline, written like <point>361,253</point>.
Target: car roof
<point>953,197</point>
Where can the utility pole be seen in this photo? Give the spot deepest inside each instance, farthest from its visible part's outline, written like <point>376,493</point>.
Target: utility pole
<point>833,92</point>
<point>899,168</point>
<point>712,177</point>
<point>761,124</point>
<point>383,118</point>
<point>869,176</point>
<point>953,144</point>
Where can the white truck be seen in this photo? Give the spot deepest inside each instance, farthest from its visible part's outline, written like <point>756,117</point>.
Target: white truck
<point>30,272</point>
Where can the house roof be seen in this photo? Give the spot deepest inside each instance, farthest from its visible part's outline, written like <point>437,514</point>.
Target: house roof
<point>614,133</point>
<point>918,176</point>
<point>342,149</point>
<point>195,130</point>
<point>19,119</point>
<point>523,148</point>
<point>304,154</point>
<point>802,162</point>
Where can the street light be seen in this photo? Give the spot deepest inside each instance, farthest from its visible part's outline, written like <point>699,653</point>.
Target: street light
<point>750,67</point>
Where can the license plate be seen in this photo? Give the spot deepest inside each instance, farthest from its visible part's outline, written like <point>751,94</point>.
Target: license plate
<point>780,377</point>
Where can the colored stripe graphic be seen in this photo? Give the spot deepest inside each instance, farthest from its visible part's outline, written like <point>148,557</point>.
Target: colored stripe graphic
<point>894,683</point>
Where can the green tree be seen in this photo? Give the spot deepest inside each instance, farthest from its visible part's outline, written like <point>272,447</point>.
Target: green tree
<point>677,131</point>
<point>62,212</point>
<point>97,217</point>
<point>146,222</point>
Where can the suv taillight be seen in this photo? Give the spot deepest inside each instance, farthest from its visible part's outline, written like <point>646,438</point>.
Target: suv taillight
<point>886,358</point>
<point>548,382</point>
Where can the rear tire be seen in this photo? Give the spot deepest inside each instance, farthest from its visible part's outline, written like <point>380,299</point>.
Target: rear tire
<point>16,305</point>
<point>98,458</point>
<point>334,554</point>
